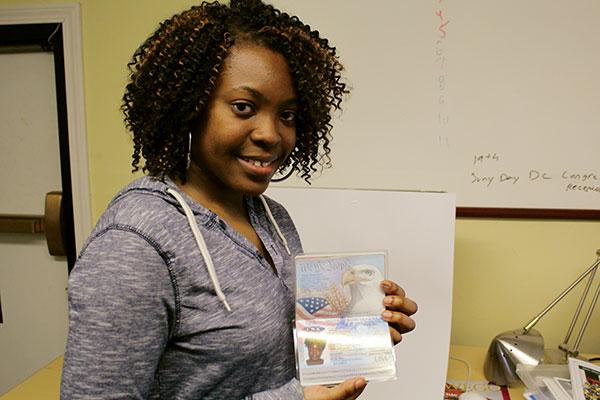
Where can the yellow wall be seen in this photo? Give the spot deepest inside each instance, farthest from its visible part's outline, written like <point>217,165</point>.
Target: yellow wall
<point>505,270</point>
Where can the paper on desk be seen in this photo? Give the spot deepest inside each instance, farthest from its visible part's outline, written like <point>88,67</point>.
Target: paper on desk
<point>490,391</point>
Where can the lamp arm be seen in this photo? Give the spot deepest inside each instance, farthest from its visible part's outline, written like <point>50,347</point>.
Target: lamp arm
<point>578,310</point>
<point>587,319</point>
<point>535,320</point>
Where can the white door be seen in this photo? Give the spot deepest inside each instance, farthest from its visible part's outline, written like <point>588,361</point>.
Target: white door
<point>32,282</point>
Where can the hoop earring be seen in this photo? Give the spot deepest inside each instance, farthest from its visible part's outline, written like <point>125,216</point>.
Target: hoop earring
<point>189,152</point>
<point>283,178</point>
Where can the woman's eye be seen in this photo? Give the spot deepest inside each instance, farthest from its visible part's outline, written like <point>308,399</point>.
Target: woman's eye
<point>288,116</point>
<point>242,108</point>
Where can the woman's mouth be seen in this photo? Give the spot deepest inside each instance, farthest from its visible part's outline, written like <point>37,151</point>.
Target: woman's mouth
<point>258,163</point>
<point>260,167</point>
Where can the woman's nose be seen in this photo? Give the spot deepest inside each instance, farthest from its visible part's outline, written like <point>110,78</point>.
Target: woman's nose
<point>267,131</point>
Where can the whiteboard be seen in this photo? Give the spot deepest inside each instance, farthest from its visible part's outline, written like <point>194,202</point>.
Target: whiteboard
<point>496,101</point>
<point>417,230</point>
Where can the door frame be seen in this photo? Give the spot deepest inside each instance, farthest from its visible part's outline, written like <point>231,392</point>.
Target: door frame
<point>69,16</point>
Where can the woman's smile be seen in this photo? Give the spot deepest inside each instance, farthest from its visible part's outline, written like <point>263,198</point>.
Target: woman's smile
<point>256,166</point>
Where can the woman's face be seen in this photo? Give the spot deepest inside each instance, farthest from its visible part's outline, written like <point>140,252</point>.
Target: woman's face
<point>250,124</point>
<point>314,351</point>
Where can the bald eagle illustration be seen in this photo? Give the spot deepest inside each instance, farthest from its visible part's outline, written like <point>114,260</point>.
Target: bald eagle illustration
<point>366,296</point>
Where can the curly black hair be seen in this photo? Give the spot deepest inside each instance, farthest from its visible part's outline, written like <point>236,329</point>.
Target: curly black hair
<point>173,73</point>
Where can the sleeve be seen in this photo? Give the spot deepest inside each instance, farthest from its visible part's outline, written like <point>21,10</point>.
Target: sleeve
<point>121,304</point>
<point>290,391</point>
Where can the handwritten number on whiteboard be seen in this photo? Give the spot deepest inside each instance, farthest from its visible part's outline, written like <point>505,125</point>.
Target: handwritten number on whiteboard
<point>443,23</point>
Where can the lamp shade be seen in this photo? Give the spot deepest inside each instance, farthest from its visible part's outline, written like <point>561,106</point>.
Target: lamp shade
<point>509,349</point>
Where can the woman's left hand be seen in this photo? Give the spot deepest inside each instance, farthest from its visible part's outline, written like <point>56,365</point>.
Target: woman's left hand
<point>398,310</point>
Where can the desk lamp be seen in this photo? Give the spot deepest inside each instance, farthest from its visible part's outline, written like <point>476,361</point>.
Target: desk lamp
<point>526,345</point>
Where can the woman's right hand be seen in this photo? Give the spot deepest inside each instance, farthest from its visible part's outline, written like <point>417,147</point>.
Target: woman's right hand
<point>348,390</point>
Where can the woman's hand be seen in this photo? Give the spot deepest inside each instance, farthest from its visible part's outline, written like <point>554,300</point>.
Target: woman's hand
<point>398,309</point>
<point>348,390</point>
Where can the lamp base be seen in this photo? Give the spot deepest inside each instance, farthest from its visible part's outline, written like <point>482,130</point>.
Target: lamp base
<point>509,349</point>
<point>554,356</point>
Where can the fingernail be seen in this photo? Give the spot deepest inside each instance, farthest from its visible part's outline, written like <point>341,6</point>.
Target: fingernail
<point>386,285</point>
<point>360,383</point>
<point>387,315</point>
<point>388,300</point>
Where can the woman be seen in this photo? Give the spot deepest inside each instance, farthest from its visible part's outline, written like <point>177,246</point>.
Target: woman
<point>185,288</point>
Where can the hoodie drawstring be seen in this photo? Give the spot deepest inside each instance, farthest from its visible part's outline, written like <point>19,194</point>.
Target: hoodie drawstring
<point>268,210</point>
<point>202,244</point>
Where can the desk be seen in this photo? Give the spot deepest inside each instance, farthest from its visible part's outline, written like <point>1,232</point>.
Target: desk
<point>45,384</point>
<point>475,356</point>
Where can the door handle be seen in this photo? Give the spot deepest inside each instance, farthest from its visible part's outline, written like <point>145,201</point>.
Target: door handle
<point>50,223</point>
<point>53,223</point>
<point>21,223</point>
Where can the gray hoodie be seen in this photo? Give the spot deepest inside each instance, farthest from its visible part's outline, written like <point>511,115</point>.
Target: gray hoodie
<point>145,318</point>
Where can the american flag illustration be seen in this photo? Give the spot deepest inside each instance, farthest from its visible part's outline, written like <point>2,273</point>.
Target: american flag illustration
<point>314,307</point>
